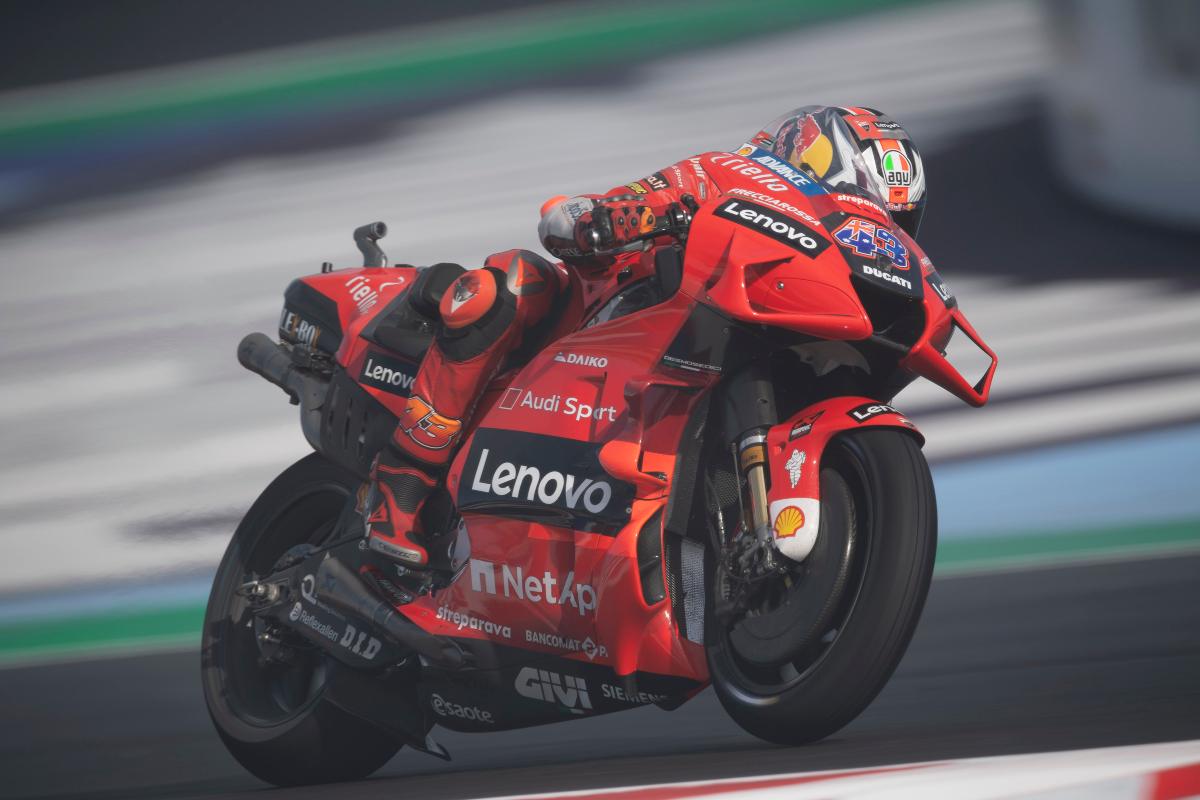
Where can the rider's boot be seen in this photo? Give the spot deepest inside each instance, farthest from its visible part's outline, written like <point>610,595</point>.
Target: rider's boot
<point>399,490</point>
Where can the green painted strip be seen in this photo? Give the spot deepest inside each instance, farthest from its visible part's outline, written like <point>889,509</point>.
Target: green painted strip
<point>956,555</point>
<point>478,53</point>
<point>19,641</point>
<point>179,627</point>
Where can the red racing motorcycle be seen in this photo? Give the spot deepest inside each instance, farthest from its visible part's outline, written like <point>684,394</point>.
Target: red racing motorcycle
<point>697,479</point>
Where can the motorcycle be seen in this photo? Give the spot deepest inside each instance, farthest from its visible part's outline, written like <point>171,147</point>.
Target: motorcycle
<point>696,478</point>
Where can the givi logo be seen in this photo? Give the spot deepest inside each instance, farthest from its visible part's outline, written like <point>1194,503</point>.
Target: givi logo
<point>563,690</point>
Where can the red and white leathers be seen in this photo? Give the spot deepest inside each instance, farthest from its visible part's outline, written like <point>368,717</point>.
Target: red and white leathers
<point>487,312</point>
<point>485,315</point>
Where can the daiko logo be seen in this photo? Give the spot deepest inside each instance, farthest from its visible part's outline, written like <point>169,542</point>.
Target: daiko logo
<point>563,357</point>
<point>562,690</point>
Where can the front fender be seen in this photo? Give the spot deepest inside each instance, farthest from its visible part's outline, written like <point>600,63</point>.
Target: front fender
<point>794,450</point>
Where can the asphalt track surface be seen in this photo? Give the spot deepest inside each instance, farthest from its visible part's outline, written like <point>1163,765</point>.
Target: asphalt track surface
<point>1050,659</point>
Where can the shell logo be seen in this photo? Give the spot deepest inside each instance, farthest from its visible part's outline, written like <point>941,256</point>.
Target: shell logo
<point>790,520</point>
<point>745,150</point>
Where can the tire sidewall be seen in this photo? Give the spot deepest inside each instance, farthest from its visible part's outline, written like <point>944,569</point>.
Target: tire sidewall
<point>899,547</point>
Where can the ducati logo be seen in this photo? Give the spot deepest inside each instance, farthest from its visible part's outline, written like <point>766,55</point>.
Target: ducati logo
<point>550,687</point>
<point>886,276</point>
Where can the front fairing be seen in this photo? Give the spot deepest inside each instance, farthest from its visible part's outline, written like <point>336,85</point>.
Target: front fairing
<point>764,265</point>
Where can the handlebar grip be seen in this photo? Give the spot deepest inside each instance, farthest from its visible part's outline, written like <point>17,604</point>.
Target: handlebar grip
<point>366,236</point>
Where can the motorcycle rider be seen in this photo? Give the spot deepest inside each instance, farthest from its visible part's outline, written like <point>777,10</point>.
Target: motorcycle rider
<point>487,313</point>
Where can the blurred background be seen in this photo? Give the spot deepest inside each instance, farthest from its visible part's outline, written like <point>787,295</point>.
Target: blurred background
<point>167,169</point>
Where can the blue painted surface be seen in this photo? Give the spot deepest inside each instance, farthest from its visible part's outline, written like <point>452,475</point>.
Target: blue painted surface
<point>1096,484</point>
<point>1105,483</point>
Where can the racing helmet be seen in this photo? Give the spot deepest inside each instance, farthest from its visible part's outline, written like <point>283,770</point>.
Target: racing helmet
<point>855,150</point>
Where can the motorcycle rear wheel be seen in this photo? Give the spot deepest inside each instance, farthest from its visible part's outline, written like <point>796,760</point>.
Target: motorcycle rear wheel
<point>878,504</point>
<point>274,718</point>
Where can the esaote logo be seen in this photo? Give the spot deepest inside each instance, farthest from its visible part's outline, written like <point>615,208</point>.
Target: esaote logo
<point>445,708</point>
<point>563,690</point>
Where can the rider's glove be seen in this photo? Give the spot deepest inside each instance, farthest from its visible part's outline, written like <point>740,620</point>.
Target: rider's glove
<point>580,227</point>
<point>613,223</point>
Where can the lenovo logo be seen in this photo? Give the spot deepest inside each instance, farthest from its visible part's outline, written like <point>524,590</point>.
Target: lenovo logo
<point>549,488</point>
<point>779,227</point>
<point>389,374</point>
<point>544,478</point>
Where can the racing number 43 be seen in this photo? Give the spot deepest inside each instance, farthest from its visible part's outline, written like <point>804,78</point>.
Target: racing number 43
<point>869,240</point>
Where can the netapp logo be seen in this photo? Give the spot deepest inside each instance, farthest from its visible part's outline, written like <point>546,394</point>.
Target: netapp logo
<point>562,690</point>
<point>886,276</point>
<point>552,477</point>
<point>544,588</point>
<point>793,233</point>
<point>389,374</point>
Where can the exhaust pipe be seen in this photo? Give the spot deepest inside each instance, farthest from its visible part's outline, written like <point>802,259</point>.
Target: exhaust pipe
<point>262,356</point>
<point>344,591</point>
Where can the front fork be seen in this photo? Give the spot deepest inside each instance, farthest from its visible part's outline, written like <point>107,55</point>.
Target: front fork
<point>749,412</point>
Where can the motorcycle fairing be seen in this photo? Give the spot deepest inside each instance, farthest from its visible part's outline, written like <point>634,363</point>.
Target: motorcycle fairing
<point>524,689</point>
<point>616,414</point>
<point>771,283</point>
<point>794,451</point>
<point>943,320</point>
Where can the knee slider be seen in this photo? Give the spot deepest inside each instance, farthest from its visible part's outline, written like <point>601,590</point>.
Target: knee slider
<point>430,287</point>
<point>476,311</point>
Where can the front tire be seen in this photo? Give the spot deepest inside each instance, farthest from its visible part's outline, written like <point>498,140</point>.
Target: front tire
<point>878,503</point>
<point>274,718</point>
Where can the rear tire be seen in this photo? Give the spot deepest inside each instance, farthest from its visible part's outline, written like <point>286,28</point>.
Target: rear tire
<point>274,719</point>
<point>877,482</point>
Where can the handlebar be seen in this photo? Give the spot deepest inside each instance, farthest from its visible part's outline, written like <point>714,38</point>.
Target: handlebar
<point>675,222</point>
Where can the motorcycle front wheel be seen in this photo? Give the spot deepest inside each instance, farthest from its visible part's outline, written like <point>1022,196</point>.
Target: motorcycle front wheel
<point>814,649</point>
<point>269,710</point>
